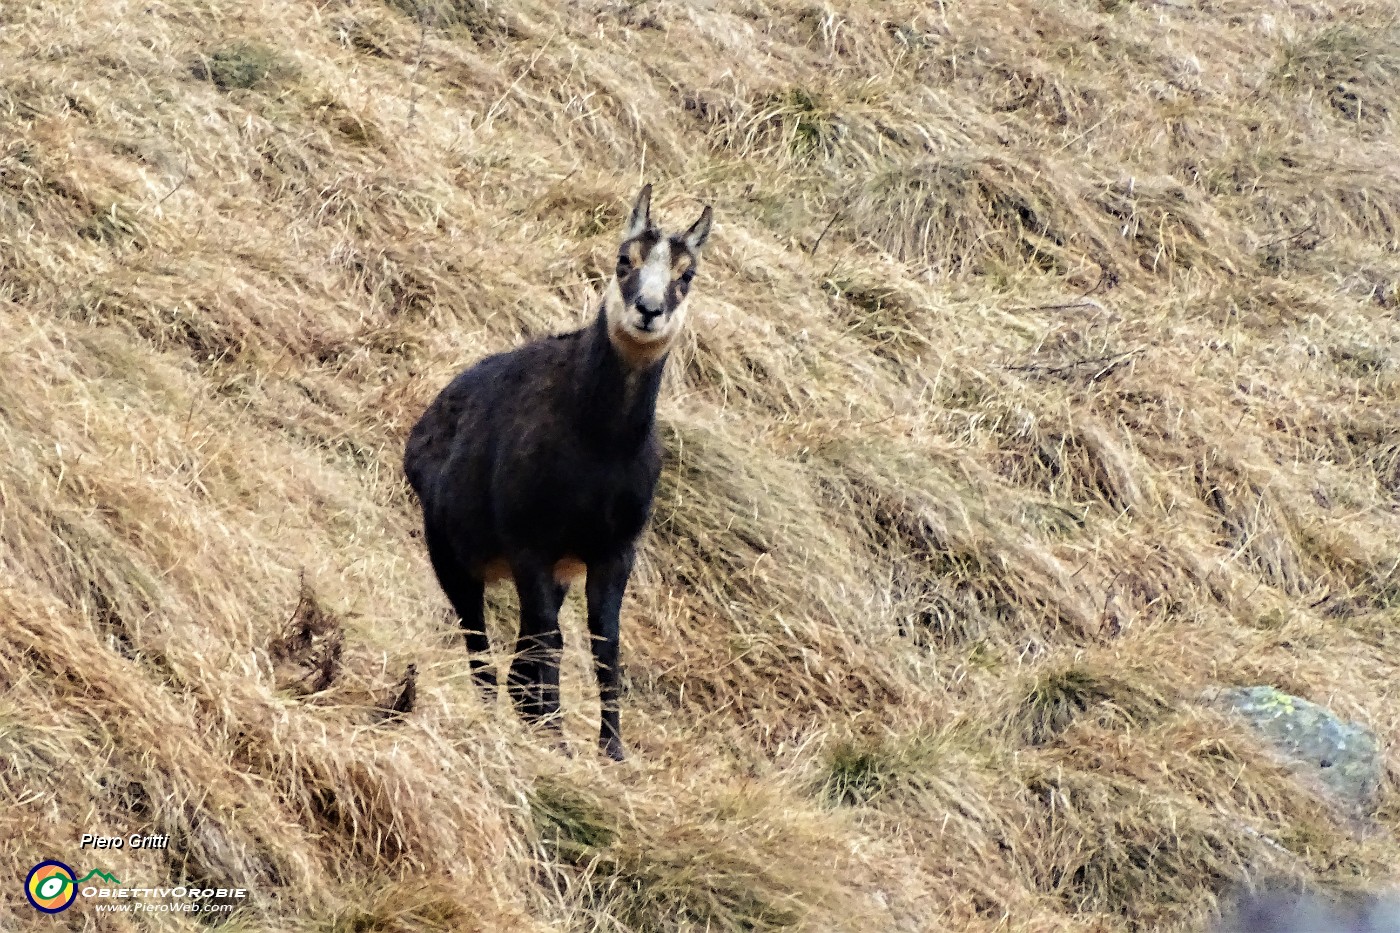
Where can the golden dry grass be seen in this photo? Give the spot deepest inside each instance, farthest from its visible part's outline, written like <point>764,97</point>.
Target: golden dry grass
<point>1042,376</point>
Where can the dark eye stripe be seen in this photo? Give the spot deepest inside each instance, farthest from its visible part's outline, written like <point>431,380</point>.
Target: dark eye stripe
<point>638,248</point>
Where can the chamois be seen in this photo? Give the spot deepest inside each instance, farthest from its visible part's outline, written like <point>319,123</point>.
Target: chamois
<point>540,464</point>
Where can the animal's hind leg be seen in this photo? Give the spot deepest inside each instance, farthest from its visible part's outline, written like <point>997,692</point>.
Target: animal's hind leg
<point>607,581</point>
<point>468,596</point>
<point>534,672</point>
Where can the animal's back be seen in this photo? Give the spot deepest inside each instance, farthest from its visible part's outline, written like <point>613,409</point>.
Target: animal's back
<point>470,412</point>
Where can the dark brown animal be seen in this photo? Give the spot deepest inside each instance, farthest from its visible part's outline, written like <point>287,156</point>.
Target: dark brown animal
<point>540,464</point>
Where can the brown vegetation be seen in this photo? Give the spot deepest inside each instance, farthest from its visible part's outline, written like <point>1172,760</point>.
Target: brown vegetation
<point>1044,376</point>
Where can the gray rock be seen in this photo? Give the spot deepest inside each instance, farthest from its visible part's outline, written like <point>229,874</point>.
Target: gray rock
<point>1344,756</point>
<point>1281,912</point>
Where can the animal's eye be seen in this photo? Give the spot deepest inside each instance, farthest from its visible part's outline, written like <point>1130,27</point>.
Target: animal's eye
<point>624,264</point>
<point>687,275</point>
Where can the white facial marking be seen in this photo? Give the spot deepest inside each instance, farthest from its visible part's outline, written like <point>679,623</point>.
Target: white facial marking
<point>644,339</point>
<point>652,279</point>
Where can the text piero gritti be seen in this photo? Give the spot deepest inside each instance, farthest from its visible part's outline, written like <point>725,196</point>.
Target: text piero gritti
<point>134,841</point>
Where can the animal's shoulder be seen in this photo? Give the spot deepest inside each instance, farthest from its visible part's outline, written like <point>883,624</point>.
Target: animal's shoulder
<point>534,361</point>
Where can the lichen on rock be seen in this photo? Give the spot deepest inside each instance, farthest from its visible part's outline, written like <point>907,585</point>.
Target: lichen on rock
<point>1344,756</point>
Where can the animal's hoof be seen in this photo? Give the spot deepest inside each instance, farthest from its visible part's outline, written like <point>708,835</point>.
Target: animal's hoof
<point>613,749</point>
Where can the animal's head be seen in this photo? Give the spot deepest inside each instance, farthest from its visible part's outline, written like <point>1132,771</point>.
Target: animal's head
<point>645,301</point>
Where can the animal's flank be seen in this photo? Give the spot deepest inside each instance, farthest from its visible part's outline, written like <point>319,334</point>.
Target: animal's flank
<point>540,464</point>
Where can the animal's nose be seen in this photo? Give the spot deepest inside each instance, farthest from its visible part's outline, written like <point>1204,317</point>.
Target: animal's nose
<point>647,311</point>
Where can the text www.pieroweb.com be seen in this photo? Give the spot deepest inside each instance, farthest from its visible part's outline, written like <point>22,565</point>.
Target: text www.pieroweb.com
<point>178,900</point>
<point>177,907</point>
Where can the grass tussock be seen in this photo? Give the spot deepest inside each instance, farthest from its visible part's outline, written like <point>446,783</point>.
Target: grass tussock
<point>686,870</point>
<point>1104,844</point>
<point>1357,69</point>
<point>242,66</point>
<point>1056,698</point>
<point>1040,377</point>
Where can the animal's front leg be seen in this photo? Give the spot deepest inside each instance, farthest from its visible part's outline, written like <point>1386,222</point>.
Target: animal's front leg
<point>607,582</point>
<point>534,672</point>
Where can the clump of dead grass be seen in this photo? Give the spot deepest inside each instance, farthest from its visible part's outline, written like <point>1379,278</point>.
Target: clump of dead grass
<point>679,870</point>
<point>1054,699</point>
<point>243,66</point>
<point>1357,69</point>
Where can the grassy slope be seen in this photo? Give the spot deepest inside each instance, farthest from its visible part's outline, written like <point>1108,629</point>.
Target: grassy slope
<point>1086,402</point>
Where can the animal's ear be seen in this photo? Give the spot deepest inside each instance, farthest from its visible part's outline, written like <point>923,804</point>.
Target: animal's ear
<point>699,231</point>
<point>641,215</point>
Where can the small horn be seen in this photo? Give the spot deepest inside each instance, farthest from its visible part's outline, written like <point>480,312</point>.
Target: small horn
<point>641,214</point>
<point>699,231</point>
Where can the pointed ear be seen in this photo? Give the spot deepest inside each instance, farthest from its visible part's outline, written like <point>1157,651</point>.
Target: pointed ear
<point>641,214</point>
<point>699,231</point>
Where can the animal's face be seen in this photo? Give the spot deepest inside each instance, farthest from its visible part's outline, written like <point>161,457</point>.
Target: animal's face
<point>646,299</point>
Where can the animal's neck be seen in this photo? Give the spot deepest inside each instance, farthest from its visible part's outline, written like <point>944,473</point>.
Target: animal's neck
<point>617,400</point>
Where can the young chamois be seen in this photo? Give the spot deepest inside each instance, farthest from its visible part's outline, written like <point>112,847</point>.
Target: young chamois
<point>540,464</point>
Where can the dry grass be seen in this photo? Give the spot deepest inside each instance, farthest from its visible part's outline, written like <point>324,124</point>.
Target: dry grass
<point>1043,376</point>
